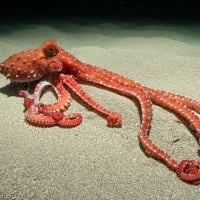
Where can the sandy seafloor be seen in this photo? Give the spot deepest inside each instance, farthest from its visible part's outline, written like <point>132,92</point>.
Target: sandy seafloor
<point>92,161</point>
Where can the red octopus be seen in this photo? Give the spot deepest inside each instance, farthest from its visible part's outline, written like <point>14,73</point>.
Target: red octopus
<point>67,71</point>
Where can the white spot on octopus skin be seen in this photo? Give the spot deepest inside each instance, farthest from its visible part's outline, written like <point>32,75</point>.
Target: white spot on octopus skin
<point>34,75</point>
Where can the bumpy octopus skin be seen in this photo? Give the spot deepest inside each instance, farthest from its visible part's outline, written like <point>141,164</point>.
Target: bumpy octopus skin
<point>49,58</point>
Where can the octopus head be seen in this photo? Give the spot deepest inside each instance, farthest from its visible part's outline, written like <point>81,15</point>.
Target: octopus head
<point>33,64</point>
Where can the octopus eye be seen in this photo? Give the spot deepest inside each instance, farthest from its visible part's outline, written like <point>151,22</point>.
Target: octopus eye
<point>50,50</point>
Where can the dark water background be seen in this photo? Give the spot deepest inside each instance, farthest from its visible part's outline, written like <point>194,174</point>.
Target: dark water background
<point>162,9</point>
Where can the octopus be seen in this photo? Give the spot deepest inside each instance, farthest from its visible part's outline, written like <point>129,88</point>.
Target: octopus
<point>66,72</point>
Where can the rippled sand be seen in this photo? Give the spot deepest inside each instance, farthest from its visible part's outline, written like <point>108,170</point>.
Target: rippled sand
<point>93,161</point>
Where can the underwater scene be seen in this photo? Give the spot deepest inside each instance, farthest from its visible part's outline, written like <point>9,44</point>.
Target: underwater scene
<point>100,104</point>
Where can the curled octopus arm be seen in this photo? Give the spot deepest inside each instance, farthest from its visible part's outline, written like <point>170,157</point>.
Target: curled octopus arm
<point>40,114</point>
